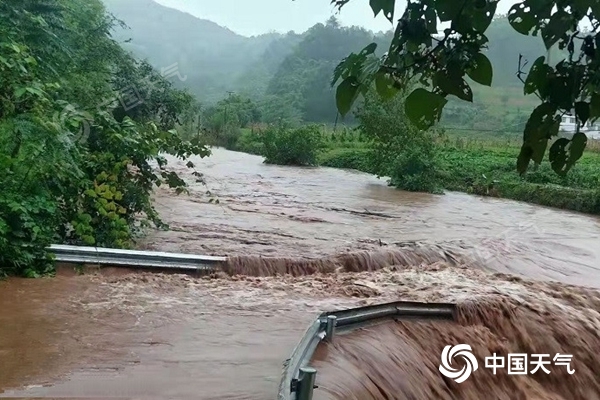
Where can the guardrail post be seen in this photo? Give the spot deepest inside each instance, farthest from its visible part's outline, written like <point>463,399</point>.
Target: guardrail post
<point>306,383</point>
<point>330,328</point>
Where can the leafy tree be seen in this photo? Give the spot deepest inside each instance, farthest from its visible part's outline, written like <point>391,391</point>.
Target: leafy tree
<point>398,149</point>
<point>234,111</point>
<point>445,64</point>
<point>224,120</point>
<point>79,159</point>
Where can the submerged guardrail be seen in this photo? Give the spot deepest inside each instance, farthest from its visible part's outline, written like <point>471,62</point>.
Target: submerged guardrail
<point>298,380</point>
<point>135,258</point>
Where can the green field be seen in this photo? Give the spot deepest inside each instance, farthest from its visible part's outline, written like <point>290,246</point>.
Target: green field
<point>488,169</point>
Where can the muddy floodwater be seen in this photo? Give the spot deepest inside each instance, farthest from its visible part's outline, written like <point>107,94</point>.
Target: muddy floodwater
<point>165,336</point>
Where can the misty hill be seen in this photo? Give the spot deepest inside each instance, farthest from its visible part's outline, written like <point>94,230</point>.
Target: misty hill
<point>303,78</point>
<point>290,74</point>
<point>211,56</point>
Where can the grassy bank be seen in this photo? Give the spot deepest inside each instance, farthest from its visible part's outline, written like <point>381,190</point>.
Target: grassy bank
<point>489,170</point>
<point>482,167</point>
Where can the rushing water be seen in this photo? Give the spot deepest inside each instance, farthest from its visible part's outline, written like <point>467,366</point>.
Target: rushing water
<point>176,337</point>
<point>292,212</point>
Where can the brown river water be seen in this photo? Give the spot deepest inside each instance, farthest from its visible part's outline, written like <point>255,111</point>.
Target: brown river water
<point>137,335</point>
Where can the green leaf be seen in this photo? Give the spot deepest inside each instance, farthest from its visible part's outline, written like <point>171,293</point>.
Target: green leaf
<point>538,150</point>
<point>524,158</point>
<point>424,108</point>
<point>522,21</point>
<point>582,110</point>
<point>558,155</point>
<point>370,67</point>
<point>387,6</point>
<point>482,14</point>
<point>35,91</point>
<point>564,153</point>
<point>595,106</point>
<point>581,6</point>
<point>560,92</point>
<point>431,20</point>
<point>448,10</point>
<point>576,148</point>
<point>560,22</point>
<point>346,94</point>
<point>595,9</point>
<point>354,64</point>
<point>384,85</point>
<point>537,77</point>
<point>20,92</point>
<point>454,85</point>
<point>482,72</point>
<point>415,34</point>
<point>541,124</point>
<point>369,49</point>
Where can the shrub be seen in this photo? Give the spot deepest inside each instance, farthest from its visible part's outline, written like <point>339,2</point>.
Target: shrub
<point>415,169</point>
<point>251,142</point>
<point>399,151</point>
<point>358,159</point>
<point>286,146</point>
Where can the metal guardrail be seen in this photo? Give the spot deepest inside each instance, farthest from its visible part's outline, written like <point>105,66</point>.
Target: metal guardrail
<point>298,378</point>
<point>134,258</point>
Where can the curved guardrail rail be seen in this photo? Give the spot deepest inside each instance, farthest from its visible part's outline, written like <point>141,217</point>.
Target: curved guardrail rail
<point>134,258</point>
<point>297,382</point>
<point>298,378</point>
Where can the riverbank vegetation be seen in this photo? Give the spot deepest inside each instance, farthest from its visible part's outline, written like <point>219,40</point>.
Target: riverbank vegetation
<point>383,142</point>
<point>82,124</point>
<point>465,164</point>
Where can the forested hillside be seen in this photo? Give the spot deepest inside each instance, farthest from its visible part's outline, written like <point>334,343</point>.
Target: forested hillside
<point>211,56</point>
<point>303,79</point>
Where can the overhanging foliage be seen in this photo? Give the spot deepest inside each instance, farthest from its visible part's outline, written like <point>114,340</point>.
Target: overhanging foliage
<point>445,60</point>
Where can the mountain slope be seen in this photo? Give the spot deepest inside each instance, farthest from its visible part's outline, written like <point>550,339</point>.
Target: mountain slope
<point>210,55</point>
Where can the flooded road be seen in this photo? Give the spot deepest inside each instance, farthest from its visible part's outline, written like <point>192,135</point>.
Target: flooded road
<point>160,336</point>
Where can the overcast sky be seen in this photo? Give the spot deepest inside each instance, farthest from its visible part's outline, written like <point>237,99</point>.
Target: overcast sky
<point>253,17</point>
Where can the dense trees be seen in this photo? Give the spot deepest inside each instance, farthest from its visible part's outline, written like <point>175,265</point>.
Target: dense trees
<point>81,126</point>
<point>213,58</point>
<point>303,77</point>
